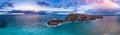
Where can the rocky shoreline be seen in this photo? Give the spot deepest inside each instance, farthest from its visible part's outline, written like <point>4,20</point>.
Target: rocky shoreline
<point>75,17</point>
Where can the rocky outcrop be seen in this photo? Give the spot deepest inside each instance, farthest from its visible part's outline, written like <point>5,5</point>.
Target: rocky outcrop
<point>55,22</point>
<point>82,17</point>
<point>75,17</point>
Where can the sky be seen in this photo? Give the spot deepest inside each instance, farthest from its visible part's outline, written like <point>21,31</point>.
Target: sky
<point>76,6</point>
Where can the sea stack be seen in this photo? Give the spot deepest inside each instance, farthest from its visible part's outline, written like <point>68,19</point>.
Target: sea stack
<point>75,18</point>
<point>55,22</point>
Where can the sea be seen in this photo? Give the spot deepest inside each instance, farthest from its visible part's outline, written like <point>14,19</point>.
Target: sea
<point>37,25</point>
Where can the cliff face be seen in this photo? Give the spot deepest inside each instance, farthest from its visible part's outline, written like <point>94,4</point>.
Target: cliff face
<point>75,17</point>
<point>81,17</point>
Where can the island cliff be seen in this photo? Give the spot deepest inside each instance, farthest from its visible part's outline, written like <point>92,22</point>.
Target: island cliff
<point>75,17</point>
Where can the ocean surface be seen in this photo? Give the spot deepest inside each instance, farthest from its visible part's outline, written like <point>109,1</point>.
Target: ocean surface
<point>37,25</point>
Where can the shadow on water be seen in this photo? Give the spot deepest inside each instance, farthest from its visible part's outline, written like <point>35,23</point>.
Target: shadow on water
<point>3,24</point>
<point>5,20</point>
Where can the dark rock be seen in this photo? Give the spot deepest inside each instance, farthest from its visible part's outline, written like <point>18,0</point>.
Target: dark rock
<point>55,22</point>
<point>75,17</point>
<point>82,17</point>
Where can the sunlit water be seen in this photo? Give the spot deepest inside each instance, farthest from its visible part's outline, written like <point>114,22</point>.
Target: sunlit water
<point>36,25</point>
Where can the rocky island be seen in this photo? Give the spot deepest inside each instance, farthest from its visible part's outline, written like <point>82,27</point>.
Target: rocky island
<point>75,17</point>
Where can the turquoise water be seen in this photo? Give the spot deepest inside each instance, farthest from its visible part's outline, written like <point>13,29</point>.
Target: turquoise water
<point>36,25</point>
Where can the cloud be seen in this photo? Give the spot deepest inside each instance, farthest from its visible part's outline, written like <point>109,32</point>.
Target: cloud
<point>76,6</point>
